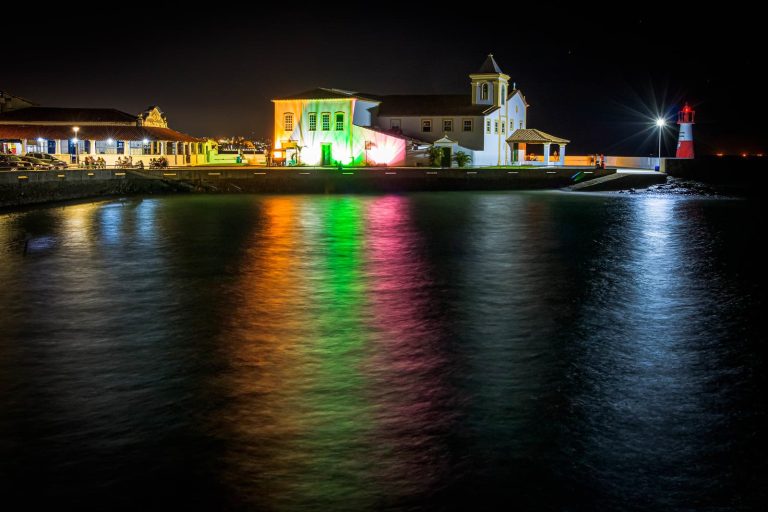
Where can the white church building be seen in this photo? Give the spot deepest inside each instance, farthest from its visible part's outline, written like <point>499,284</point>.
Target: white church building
<point>477,123</point>
<point>328,126</point>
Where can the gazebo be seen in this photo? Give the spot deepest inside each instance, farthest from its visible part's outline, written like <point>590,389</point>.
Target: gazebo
<point>533,136</point>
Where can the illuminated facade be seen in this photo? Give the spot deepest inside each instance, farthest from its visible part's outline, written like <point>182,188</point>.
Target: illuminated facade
<point>323,126</point>
<point>72,134</point>
<point>332,127</point>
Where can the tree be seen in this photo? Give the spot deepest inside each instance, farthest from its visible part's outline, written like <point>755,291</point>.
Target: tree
<point>435,156</point>
<point>462,159</point>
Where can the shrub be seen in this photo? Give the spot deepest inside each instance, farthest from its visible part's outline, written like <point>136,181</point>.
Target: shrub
<point>462,159</point>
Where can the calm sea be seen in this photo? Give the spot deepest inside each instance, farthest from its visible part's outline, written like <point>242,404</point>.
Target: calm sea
<point>437,351</point>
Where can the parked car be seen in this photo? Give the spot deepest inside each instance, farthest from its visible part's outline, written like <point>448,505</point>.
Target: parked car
<point>5,165</point>
<point>37,164</point>
<point>57,164</point>
<point>14,163</point>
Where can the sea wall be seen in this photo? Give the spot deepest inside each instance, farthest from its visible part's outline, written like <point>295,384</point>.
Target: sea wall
<point>21,189</point>
<point>36,187</point>
<point>378,179</point>
<point>735,175</point>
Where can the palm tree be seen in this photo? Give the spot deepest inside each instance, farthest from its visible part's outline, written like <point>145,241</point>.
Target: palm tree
<point>462,159</point>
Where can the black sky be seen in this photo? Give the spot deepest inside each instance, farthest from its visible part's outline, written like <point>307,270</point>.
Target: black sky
<point>592,77</point>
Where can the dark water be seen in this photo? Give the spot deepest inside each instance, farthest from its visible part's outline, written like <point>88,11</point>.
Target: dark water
<point>445,351</point>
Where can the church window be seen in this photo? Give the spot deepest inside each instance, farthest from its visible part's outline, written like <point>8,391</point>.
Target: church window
<point>521,124</point>
<point>512,126</point>
<point>447,125</point>
<point>288,121</point>
<point>467,125</point>
<point>484,91</point>
<point>503,94</point>
<point>426,125</point>
<point>487,126</point>
<point>325,119</point>
<point>312,121</point>
<point>339,121</point>
<point>503,126</point>
<point>394,124</point>
<point>495,127</point>
<point>515,109</point>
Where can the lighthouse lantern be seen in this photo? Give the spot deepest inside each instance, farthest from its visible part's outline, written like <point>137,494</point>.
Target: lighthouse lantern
<point>685,139</point>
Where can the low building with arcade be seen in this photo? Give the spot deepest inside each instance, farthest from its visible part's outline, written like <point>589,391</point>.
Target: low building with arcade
<point>72,134</point>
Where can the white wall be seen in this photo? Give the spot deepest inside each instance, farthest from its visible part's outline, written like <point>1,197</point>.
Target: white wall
<point>631,162</point>
<point>411,126</point>
<point>477,91</point>
<point>362,114</point>
<point>516,117</point>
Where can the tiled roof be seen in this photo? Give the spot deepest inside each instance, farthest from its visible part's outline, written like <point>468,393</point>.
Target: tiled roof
<point>67,115</point>
<point>533,136</point>
<point>431,105</point>
<point>20,131</point>
<point>323,93</point>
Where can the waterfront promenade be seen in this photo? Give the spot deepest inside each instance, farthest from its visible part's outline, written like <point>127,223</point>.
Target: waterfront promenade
<point>36,187</point>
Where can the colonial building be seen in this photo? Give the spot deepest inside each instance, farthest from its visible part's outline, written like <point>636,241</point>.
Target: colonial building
<point>71,134</point>
<point>330,127</point>
<point>477,123</point>
<point>322,126</point>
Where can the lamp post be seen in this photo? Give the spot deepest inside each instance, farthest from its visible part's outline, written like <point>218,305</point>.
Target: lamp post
<point>660,122</point>
<point>77,145</point>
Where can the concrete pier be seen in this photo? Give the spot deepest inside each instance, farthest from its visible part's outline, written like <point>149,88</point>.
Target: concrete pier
<point>621,180</point>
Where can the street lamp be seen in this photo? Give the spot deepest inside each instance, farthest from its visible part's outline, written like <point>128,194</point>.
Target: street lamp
<point>660,122</point>
<point>77,145</point>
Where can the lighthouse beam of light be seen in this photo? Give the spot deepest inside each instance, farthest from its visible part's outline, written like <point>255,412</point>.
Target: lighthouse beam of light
<point>641,109</point>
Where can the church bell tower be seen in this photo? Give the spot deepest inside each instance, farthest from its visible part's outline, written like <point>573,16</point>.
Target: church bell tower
<point>490,86</point>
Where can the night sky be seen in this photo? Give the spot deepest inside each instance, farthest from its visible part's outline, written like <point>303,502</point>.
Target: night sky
<point>596,79</point>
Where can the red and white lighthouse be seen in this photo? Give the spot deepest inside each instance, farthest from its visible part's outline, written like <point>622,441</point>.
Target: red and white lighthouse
<point>685,139</point>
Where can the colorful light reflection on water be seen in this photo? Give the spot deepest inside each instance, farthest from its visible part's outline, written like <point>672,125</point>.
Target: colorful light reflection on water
<point>431,351</point>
